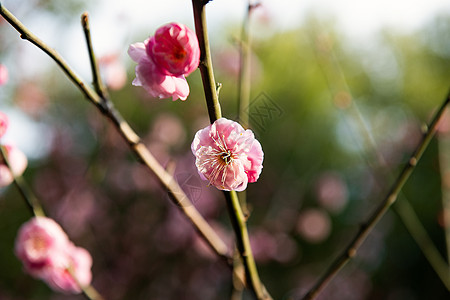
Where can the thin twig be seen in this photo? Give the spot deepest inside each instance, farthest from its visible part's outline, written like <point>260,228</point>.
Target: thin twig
<point>244,70</point>
<point>30,199</point>
<point>243,90</point>
<point>132,139</point>
<point>214,111</point>
<point>244,83</point>
<point>390,199</point>
<point>412,224</point>
<point>405,211</point>
<point>237,288</point>
<point>97,81</point>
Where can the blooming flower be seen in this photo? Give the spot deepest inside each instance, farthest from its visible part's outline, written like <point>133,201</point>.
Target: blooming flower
<point>165,59</point>
<point>174,49</point>
<point>47,253</point>
<point>39,244</point>
<point>149,76</point>
<point>17,162</point>
<point>227,155</point>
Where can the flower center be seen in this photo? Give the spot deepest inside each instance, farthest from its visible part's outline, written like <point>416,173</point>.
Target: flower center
<point>226,157</point>
<point>179,54</point>
<point>39,243</point>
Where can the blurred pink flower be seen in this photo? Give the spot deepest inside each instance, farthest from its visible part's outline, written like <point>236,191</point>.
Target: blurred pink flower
<point>3,123</point>
<point>3,74</point>
<point>47,254</point>
<point>39,244</point>
<point>332,192</point>
<point>31,99</point>
<point>18,163</point>
<point>114,71</point>
<point>314,225</point>
<point>227,155</point>
<point>152,79</point>
<point>60,279</point>
<point>174,49</point>
<point>443,126</point>
<point>228,63</point>
<point>264,245</point>
<point>168,130</point>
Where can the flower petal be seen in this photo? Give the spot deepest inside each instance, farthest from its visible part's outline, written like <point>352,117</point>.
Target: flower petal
<point>136,51</point>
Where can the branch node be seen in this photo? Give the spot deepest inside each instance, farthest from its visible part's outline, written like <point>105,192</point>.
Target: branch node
<point>351,252</point>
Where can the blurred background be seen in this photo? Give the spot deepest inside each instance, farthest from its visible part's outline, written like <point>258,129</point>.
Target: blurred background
<point>340,93</point>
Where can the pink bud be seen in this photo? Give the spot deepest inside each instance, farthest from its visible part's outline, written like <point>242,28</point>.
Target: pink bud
<point>3,74</point>
<point>153,80</point>
<point>174,49</point>
<point>18,163</point>
<point>227,155</point>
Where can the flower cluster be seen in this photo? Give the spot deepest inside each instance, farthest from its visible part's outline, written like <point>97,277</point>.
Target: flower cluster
<point>165,59</point>
<point>17,160</point>
<point>227,155</point>
<point>47,253</point>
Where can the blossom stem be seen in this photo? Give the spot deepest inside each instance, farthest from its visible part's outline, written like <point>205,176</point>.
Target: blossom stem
<point>205,66</point>
<point>30,199</point>
<point>132,139</point>
<point>235,211</point>
<point>387,202</point>
<point>238,221</point>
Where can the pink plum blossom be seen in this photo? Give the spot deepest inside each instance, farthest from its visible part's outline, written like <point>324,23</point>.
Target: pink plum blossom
<point>174,49</point>
<point>3,74</point>
<point>17,162</point>
<point>149,76</point>
<point>227,155</point>
<point>3,123</point>
<point>39,244</point>
<point>47,254</point>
